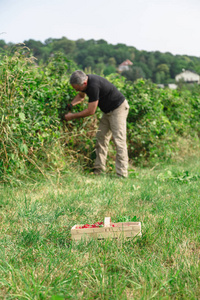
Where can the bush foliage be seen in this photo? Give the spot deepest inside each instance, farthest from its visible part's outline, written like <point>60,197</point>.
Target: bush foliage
<point>32,98</point>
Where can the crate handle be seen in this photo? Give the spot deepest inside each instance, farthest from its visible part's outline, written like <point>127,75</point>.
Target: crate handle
<point>107,221</point>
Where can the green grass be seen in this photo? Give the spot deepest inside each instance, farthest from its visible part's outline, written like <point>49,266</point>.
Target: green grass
<point>39,260</point>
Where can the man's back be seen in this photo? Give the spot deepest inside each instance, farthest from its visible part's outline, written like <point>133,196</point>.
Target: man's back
<point>99,88</point>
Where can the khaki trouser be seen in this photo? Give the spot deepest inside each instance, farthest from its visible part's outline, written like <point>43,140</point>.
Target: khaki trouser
<point>113,124</point>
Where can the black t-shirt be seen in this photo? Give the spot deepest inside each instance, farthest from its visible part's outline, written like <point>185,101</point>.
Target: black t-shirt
<point>99,88</point>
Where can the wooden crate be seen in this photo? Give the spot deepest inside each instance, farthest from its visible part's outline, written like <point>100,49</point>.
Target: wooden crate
<point>125,229</point>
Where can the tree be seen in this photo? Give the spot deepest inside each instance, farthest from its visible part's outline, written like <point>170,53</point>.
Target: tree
<point>151,62</point>
<point>146,70</point>
<point>2,43</point>
<point>89,62</point>
<point>178,65</point>
<point>48,41</point>
<point>64,45</point>
<point>36,47</point>
<point>112,61</point>
<point>101,41</point>
<point>109,70</point>
<point>163,68</point>
<point>134,73</point>
<point>99,68</point>
<point>160,77</point>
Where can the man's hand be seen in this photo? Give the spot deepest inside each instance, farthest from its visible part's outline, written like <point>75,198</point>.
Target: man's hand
<point>84,113</point>
<point>68,117</point>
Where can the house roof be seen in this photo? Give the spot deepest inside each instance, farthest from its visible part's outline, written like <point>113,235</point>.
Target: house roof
<point>127,62</point>
<point>188,76</point>
<point>188,71</point>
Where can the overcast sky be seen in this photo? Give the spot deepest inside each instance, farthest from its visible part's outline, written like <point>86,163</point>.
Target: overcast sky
<point>151,25</point>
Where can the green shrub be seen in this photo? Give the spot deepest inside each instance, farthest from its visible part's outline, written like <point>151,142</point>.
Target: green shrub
<point>157,118</point>
<point>32,98</point>
<point>32,134</point>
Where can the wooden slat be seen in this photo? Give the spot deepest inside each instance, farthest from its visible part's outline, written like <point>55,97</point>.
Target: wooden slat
<point>129,229</point>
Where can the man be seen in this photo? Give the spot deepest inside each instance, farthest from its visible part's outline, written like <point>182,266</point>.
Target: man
<point>113,122</point>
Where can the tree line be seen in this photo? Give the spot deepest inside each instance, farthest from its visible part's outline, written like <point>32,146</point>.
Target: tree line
<point>100,57</point>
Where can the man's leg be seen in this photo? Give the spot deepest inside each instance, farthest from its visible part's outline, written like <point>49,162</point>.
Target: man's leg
<point>118,127</point>
<point>103,137</point>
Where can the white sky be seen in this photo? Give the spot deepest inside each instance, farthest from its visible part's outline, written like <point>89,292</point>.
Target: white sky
<point>151,25</point>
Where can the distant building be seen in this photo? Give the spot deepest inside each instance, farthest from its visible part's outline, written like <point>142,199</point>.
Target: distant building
<point>188,76</point>
<point>172,86</point>
<point>160,85</point>
<point>125,65</point>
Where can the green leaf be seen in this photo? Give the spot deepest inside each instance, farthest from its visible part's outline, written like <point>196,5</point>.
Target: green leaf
<point>23,148</point>
<point>22,116</point>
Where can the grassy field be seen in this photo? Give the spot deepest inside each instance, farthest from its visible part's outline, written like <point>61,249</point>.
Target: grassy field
<point>39,260</point>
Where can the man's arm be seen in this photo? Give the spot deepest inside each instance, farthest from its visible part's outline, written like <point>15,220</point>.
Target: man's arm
<point>90,110</point>
<point>78,99</point>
